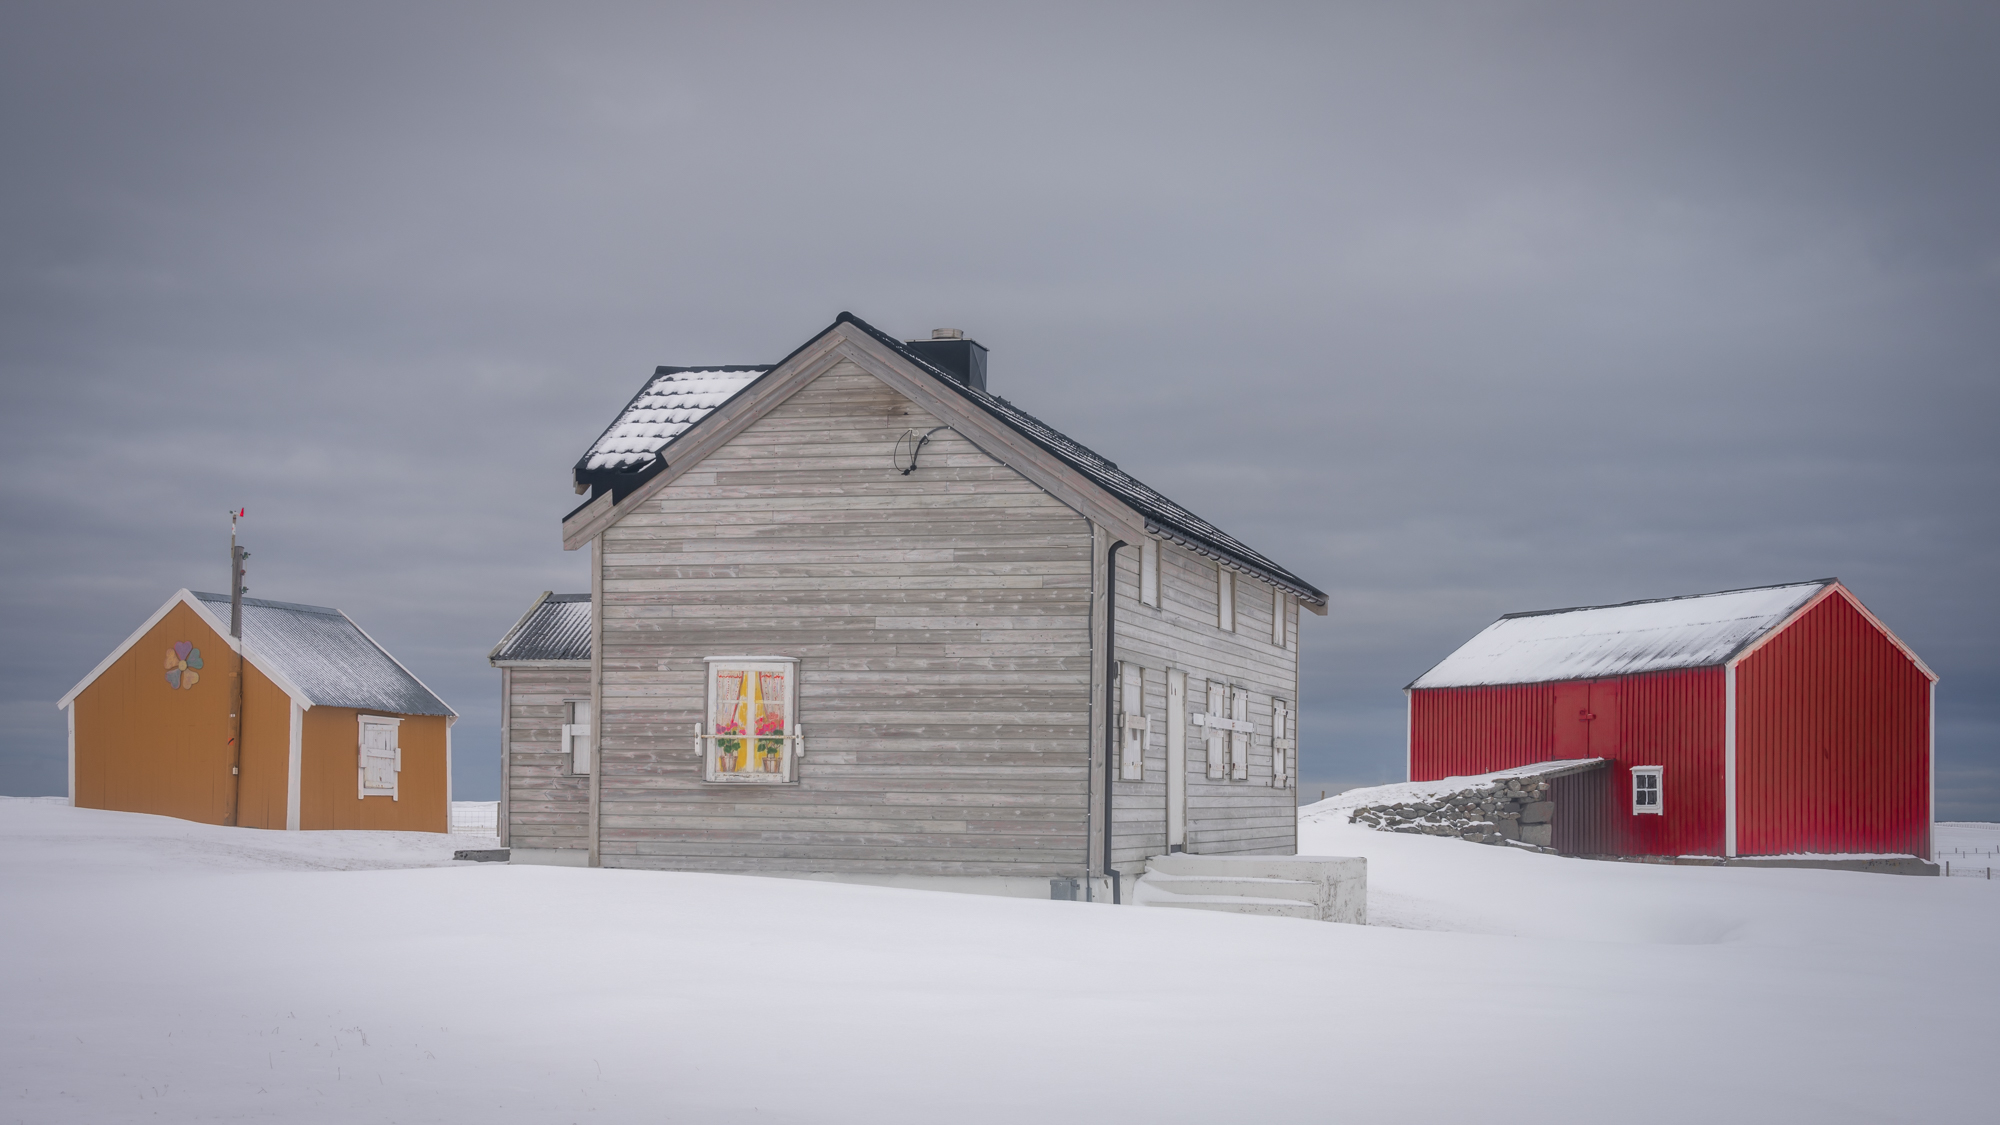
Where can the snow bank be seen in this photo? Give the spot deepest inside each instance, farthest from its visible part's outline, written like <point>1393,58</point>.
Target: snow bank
<point>161,971</point>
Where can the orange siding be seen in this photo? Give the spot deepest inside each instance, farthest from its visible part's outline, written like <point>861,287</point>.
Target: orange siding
<point>142,746</point>
<point>329,794</point>
<point>267,737</point>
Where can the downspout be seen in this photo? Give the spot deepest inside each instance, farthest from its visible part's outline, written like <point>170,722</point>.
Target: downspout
<point>1110,718</point>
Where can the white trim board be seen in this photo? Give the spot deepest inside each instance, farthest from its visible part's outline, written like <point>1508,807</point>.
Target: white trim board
<point>187,598</point>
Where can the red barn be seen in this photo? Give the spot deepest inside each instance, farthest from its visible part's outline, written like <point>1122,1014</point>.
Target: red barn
<point>1769,721</point>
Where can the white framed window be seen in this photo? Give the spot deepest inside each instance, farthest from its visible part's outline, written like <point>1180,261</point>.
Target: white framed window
<point>1149,573</point>
<point>1647,791</point>
<point>576,735</point>
<point>1133,722</point>
<point>1284,747</point>
<point>380,758</point>
<point>751,735</point>
<point>1281,604</point>
<point>1225,598</point>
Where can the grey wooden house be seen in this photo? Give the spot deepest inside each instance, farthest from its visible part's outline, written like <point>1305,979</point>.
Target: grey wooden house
<point>849,619</point>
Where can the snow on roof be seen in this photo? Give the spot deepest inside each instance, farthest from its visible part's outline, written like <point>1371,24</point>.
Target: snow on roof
<point>327,656</point>
<point>1619,640</point>
<point>1408,792</point>
<point>674,399</point>
<point>557,628</point>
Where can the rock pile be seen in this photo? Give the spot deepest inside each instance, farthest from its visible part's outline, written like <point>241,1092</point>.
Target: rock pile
<point>1516,810</point>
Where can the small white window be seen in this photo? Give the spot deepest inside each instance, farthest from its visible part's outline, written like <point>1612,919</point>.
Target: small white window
<point>381,757</point>
<point>750,736</point>
<point>1133,723</point>
<point>1281,603</point>
<point>576,735</point>
<point>1149,573</point>
<point>1225,598</point>
<point>1646,789</point>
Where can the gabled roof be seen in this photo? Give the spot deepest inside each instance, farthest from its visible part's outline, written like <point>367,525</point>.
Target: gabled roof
<point>620,461</point>
<point>1589,642</point>
<point>556,627</point>
<point>317,655</point>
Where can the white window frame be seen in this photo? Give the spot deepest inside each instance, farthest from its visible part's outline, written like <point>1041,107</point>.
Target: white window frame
<point>1149,573</point>
<point>577,737</point>
<point>1225,598</point>
<point>793,742</point>
<point>1658,791</point>
<point>394,725</point>
<point>1134,723</point>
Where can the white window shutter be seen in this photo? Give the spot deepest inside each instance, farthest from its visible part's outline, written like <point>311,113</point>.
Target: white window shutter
<point>1239,739</point>
<point>1282,765</point>
<point>1279,604</point>
<point>380,758</point>
<point>1133,724</point>
<point>1225,598</point>
<point>577,738</point>
<point>1149,573</point>
<point>1214,735</point>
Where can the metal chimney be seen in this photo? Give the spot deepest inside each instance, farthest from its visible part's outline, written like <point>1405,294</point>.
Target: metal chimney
<point>962,359</point>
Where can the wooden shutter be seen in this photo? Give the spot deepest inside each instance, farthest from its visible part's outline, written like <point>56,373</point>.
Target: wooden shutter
<point>381,758</point>
<point>1225,598</point>
<point>577,737</point>
<point>1239,740</point>
<point>1218,708</point>
<point>1284,748</point>
<point>1280,602</point>
<point>1132,743</point>
<point>1149,573</point>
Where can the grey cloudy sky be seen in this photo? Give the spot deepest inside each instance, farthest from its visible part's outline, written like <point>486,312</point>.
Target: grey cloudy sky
<point>1455,310</point>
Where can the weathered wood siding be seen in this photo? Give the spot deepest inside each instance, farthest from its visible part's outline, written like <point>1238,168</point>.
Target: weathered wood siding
<point>941,623</point>
<point>1225,817</point>
<point>547,806</point>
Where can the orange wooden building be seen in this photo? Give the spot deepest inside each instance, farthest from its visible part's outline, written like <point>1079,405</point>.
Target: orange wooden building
<point>336,732</point>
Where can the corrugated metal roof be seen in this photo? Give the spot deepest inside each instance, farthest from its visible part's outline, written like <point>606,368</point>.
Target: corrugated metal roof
<point>1591,642</point>
<point>327,656</point>
<point>557,628</point>
<point>645,455</point>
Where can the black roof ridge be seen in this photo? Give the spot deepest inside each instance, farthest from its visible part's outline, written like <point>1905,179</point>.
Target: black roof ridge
<point>267,603</point>
<point>1820,582</point>
<point>1227,547</point>
<point>567,598</point>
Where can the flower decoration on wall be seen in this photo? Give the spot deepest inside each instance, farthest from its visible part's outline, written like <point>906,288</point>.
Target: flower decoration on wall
<point>182,661</point>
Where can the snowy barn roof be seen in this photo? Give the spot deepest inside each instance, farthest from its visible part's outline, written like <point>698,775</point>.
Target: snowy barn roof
<point>1589,642</point>
<point>556,627</point>
<point>676,398</point>
<point>327,656</point>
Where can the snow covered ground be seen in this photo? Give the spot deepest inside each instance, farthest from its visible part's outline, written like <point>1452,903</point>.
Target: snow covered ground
<point>163,971</point>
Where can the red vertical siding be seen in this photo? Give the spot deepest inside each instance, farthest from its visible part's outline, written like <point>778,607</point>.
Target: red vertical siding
<point>1833,740</point>
<point>1670,719</point>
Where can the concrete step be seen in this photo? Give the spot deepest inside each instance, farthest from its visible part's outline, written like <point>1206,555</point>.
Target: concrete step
<point>1296,890</point>
<point>1151,894</point>
<point>1306,868</point>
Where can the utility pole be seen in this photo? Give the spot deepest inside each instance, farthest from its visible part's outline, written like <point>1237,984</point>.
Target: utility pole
<point>236,557</point>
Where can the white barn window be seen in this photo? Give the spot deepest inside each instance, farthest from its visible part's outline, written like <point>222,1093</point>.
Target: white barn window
<point>380,757</point>
<point>751,735</point>
<point>1646,789</point>
<point>576,735</point>
<point>1149,573</point>
<point>1225,598</point>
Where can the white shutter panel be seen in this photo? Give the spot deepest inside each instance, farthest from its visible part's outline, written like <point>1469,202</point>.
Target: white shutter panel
<point>576,737</point>
<point>1149,573</point>
<point>1225,598</point>
<point>1132,743</point>
<point>1278,606</point>
<point>1281,744</point>
<point>1217,708</point>
<point>1239,741</point>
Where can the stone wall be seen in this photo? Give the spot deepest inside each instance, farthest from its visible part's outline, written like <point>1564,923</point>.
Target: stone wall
<point>1515,811</point>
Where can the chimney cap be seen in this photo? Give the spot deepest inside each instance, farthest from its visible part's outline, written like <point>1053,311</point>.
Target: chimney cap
<point>947,333</point>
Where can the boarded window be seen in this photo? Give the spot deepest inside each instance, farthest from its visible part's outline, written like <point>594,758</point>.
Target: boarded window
<point>1225,598</point>
<point>1149,573</point>
<point>1133,723</point>
<point>1216,733</point>
<point>1239,734</point>
<point>750,735</point>
<point>1281,603</point>
<point>577,734</point>
<point>380,758</point>
<point>1284,746</point>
